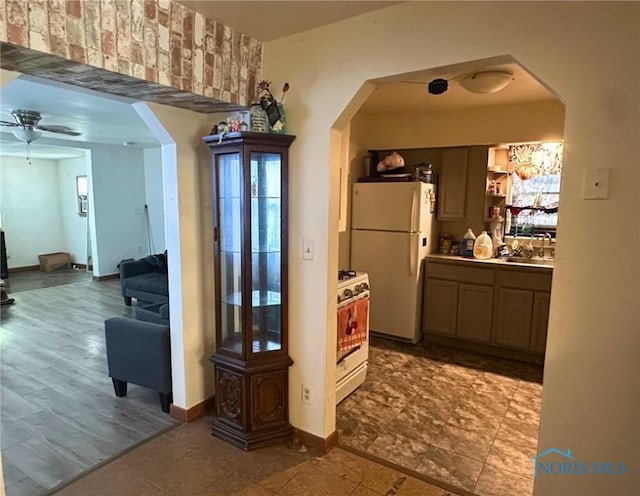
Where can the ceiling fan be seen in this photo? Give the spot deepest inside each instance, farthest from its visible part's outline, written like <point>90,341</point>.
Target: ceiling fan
<point>27,126</point>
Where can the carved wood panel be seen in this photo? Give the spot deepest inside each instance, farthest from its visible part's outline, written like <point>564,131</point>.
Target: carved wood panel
<point>268,393</point>
<point>229,395</point>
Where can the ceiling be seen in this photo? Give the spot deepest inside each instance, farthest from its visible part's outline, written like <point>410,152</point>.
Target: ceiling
<point>100,118</point>
<point>38,150</point>
<point>399,94</point>
<point>268,20</point>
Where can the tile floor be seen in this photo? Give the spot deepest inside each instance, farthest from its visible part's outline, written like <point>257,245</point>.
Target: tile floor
<point>188,461</point>
<point>465,419</point>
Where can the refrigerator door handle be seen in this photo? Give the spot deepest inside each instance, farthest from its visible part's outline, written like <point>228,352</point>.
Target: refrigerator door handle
<point>412,219</point>
<point>412,254</point>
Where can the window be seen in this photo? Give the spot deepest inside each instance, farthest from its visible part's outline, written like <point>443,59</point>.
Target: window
<point>82,191</point>
<point>535,175</point>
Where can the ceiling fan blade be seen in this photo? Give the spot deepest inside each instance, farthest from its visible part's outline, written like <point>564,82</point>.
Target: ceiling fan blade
<point>59,130</point>
<point>9,124</point>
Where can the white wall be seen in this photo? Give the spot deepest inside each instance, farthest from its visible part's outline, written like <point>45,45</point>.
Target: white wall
<point>189,234</point>
<point>584,51</point>
<point>117,198</point>
<point>74,226</point>
<point>30,209</point>
<point>154,195</point>
<point>533,121</point>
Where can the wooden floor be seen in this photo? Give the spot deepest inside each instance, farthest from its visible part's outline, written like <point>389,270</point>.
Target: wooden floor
<point>18,282</point>
<point>59,415</point>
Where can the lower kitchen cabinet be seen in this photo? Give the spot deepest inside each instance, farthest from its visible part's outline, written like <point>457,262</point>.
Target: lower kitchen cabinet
<point>441,306</point>
<point>475,306</point>
<point>513,318</point>
<point>539,322</point>
<point>497,308</point>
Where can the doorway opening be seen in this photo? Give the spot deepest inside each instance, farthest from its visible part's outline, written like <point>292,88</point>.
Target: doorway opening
<point>454,378</point>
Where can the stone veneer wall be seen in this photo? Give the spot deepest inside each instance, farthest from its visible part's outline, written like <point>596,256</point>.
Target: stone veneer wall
<point>159,41</point>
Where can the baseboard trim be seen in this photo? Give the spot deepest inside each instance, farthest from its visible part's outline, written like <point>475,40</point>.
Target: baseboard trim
<point>193,413</point>
<point>107,277</point>
<point>321,444</point>
<point>24,269</point>
<point>82,266</point>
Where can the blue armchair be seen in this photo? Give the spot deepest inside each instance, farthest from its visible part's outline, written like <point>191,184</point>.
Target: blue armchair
<point>139,351</point>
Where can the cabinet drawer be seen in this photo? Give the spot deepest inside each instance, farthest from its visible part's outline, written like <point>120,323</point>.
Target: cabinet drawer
<point>453,272</point>
<point>523,280</point>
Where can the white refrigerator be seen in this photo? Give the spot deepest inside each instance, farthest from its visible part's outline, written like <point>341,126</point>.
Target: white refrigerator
<point>392,230</point>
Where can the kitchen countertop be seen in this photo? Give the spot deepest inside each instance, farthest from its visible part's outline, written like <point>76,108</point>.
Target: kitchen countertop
<point>490,261</point>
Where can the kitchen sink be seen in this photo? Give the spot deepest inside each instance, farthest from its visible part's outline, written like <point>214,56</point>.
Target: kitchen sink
<point>533,260</point>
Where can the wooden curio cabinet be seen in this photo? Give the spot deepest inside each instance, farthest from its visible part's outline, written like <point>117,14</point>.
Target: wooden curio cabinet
<point>249,172</point>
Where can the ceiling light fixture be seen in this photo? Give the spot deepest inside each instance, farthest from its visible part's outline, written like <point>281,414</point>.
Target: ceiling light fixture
<point>26,135</point>
<point>484,82</point>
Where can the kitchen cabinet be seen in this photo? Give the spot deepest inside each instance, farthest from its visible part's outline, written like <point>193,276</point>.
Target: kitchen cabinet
<point>539,322</point>
<point>475,306</point>
<point>441,306</point>
<point>513,318</point>
<point>452,187</point>
<point>487,304</point>
<point>459,302</point>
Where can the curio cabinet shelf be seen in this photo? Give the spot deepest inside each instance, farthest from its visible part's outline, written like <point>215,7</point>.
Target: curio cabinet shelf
<point>249,173</point>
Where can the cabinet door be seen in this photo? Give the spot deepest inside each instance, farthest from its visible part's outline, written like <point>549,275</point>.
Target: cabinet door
<point>440,307</point>
<point>540,322</point>
<point>475,307</point>
<point>452,190</point>
<point>513,318</point>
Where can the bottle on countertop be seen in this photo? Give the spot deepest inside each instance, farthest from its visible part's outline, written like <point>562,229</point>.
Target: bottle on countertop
<point>483,246</point>
<point>468,240</point>
<point>445,243</point>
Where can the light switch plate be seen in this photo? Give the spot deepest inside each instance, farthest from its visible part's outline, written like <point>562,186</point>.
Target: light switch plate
<point>596,184</point>
<point>307,249</point>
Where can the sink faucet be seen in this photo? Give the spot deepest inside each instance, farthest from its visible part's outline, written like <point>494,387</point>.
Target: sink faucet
<point>545,236</point>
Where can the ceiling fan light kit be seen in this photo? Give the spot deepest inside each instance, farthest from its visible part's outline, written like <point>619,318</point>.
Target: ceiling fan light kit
<point>27,127</point>
<point>26,135</point>
<point>27,124</point>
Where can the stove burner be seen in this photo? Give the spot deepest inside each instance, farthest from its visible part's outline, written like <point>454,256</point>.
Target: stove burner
<point>343,275</point>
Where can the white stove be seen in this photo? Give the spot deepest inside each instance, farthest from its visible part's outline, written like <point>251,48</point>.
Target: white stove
<point>353,332</point>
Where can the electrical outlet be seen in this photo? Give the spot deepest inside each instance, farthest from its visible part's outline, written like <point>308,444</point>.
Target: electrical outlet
<point>306,394</point>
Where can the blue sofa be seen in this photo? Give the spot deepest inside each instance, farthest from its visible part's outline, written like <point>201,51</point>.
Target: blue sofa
<point>145,279</point>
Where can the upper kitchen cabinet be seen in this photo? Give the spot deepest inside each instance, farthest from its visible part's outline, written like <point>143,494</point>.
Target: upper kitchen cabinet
<point>452,188</point>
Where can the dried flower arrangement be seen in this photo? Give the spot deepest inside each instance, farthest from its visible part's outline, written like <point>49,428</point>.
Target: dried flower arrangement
<point>273,108</point>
